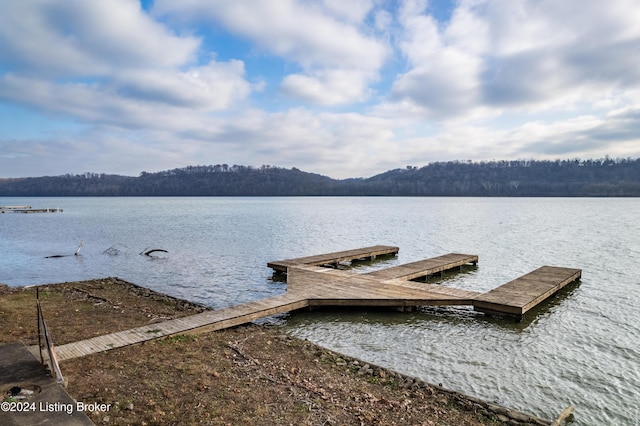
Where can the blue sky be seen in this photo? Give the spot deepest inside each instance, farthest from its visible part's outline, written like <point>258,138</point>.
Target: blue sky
<point>342,88</point>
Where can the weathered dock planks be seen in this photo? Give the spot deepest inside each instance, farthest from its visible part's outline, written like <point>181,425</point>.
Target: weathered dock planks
<point>424,268</point>
<point>520,295</point>
<point>198,323</point>
<point>310,285</point>
<point>342,288</point>
<point>335,257</point>
<point>462,297</point>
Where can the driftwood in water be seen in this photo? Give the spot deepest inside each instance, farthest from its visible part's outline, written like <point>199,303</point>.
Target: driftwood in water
<point>67,255</point>
<point>147,252</point>
<point>79,247</point>
<point>116,249</point>
<point>563,416</point>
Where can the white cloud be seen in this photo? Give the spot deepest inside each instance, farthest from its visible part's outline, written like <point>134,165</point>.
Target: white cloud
<point>615,134</point>
<point>443,79</point>
<point>324,41</point>
<point>328,87</point>
<point>165,103</point>
<point>352,11</point>
<point>107,62</point>
<point>517,54</point>
<point>548,54</point>
<point>382,21</point>
<point>79,38</point>
<point>444,87</point>
<point>296,31</point>
<point>583,136</point>
<point>339,145</point>
<point>215,86</point>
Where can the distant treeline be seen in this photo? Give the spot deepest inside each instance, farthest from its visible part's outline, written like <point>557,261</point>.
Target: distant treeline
<point>522,178</point>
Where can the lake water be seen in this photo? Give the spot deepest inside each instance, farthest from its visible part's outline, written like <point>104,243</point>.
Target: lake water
<point>582,348</point>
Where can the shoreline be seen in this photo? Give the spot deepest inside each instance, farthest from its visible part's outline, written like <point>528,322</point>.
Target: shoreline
<point>254,361</point>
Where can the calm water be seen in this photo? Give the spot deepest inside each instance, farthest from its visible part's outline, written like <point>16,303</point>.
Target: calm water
<point>582,348</point>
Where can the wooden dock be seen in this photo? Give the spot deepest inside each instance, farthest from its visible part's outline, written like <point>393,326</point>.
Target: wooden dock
<point>516,297</point>
<point>194,324</point>
<point>310,285</point>
<point>427,267</point>
<point>334,258</point>
<point>342,288</point>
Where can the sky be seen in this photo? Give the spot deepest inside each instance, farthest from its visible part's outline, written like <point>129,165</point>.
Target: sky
<point>341,88</point>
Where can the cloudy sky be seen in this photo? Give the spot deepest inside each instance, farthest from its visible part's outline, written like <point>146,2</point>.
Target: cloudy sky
<point>342,88</point>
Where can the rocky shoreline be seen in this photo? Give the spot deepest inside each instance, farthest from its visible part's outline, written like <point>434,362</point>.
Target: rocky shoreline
<point>490,410</point>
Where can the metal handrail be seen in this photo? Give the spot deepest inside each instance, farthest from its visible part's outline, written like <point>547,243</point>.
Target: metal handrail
<point>45,343</point>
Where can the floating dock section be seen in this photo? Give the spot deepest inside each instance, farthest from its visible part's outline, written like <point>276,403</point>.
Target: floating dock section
<point>333,259</point>
<point>517,297</point>
<point>310,285</point>
<point>425,268</point>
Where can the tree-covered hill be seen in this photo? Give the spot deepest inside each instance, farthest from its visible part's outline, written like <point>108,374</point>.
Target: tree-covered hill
<point>597,178</point>
<point>224,180</point>
<point>512,178</point>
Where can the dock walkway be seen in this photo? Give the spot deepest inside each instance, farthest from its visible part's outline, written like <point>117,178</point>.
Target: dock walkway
<point>425,268</point>
<point>198,323</point>
<point>520,295</point>
<point>310,285</point>
<point>335,257</point>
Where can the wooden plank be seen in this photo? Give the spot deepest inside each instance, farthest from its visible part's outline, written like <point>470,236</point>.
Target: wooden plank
<point>522,294</point>
<point>290,305</point>
<point>340,288</point>
<point>335,257</point>
<point>439,289</point>
<point>205,321</point>
<point>423,268</point>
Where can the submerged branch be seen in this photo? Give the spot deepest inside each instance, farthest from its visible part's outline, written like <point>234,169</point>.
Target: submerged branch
<point>77,253</point>
<point>147,252</point>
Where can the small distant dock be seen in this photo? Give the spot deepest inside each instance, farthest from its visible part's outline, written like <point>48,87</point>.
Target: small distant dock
<point>309,284</point>
<point>27,209</point>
